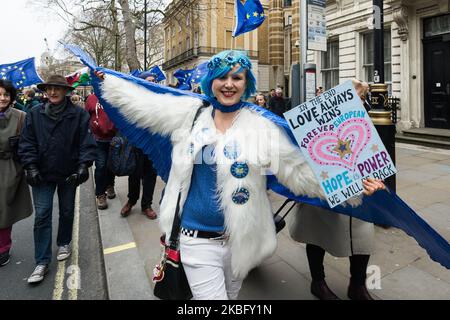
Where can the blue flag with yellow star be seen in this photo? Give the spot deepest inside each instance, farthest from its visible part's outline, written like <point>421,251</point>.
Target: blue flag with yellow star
<point>21,74</point>
<point>249,16</point>
<point>183,77</point>
<point>199,72</point>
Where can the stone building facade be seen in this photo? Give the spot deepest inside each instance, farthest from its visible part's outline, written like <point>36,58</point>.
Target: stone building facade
<point>416,47</point>
<point>417,54</point>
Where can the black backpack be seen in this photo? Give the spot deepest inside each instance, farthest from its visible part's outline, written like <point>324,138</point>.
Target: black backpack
<point>122,160</point>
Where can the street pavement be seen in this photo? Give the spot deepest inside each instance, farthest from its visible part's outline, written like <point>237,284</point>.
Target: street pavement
<point>80,277</point>
<point>398,269</point>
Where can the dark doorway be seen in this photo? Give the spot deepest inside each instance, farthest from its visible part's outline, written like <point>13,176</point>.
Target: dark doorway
<point>437,82</point>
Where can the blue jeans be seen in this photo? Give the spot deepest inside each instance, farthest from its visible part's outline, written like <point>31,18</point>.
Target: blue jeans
<point>43,205</point>
<point>103,176</point>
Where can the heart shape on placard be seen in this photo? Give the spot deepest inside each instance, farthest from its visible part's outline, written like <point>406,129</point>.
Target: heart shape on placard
<point>322,147</point>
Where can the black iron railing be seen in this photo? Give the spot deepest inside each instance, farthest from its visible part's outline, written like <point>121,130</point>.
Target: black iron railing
<point>393,105</point>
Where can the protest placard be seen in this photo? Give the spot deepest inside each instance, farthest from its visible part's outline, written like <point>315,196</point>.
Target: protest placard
<point>340,142</point>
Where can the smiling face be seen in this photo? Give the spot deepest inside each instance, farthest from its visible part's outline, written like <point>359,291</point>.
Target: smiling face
<point>5,98</point>
<point>229,89</point>
<point>56,94</point>
<point>260,100</point>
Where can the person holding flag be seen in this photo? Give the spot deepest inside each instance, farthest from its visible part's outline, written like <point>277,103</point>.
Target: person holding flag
<point>227,225</point>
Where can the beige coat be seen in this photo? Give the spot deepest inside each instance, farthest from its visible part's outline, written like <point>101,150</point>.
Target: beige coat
<point>15,200</point>
<point>339,235</point>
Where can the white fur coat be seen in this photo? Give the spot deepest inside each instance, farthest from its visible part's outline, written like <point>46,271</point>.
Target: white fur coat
<point>261,144</point>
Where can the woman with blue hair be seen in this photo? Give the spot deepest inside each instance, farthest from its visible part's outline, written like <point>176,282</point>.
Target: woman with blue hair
<point>221,154</point>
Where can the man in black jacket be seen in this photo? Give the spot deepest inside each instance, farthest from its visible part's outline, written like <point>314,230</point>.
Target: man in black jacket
<point>277,103</point>
<point>56,149</point>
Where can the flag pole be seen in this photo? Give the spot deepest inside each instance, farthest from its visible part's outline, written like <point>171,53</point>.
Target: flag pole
<point>145,35</point>
<point>303,48</point>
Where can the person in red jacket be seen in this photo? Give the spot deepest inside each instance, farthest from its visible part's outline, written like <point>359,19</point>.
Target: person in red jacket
<point>103,130</point>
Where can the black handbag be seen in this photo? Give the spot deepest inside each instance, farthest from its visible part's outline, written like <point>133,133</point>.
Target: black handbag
<point>169,277</point>
<point>278,219</point>
<point>122,158</point>
<point>14,140</point>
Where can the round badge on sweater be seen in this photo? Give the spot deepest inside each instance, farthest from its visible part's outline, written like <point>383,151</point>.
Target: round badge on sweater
<point>241,196</point>
<point>232,150</point>
<point>239,170</point>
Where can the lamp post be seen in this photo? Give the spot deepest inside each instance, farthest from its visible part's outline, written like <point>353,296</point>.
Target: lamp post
<point>145,35</point>
<point>380,115</point>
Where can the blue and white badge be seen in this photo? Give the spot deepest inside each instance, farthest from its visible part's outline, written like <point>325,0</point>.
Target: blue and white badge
<point>232,150</point>
<point>239,170</point>
<point>241,196</point>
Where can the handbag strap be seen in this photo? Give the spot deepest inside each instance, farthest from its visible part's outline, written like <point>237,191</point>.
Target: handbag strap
<point>282,206</point>
<point>175,233</point>
<point>19,124</point>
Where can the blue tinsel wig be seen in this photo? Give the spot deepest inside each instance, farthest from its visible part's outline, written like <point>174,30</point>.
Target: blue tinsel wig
<point>221,64</point>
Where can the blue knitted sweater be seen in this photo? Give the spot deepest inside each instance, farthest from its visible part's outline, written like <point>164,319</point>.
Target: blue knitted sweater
<point>201,209</point>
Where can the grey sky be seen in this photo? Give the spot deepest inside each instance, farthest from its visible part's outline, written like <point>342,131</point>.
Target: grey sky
<point>23,29</point>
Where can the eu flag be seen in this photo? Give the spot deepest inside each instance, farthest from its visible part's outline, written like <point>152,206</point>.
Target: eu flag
<point>199,72</point>
<point>183,77</point>
<point>248,16</point>
<point>135,73</point>
<point>21,74</point>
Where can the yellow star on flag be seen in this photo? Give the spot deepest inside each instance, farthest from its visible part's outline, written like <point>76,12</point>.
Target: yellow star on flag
<point>343,148</point>
<point>262,14</point>
<point>248,16</point>
<point>255,14</point>
<point>15,67</point>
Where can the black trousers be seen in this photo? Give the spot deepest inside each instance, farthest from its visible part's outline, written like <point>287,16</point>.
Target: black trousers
<point>147,174</point>
<point>358,265</point>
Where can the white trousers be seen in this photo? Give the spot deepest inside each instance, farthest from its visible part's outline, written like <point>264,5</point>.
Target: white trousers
<point>207,264</point>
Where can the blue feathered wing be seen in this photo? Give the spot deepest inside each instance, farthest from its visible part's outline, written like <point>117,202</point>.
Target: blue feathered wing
<point>383,207</point>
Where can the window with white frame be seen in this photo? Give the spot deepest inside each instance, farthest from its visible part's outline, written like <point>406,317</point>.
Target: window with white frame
<point>330,65</point>
<point>368,56</point>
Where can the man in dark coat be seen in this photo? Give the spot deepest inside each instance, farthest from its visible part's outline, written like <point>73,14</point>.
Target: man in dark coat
<point>277,103</point>
<point>56,148</point>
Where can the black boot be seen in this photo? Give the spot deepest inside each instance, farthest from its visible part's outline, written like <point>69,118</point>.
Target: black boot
<point>358,292</point>
<point>321,290</point>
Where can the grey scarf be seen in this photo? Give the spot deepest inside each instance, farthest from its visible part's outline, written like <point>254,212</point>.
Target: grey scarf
<point>53,111</point>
